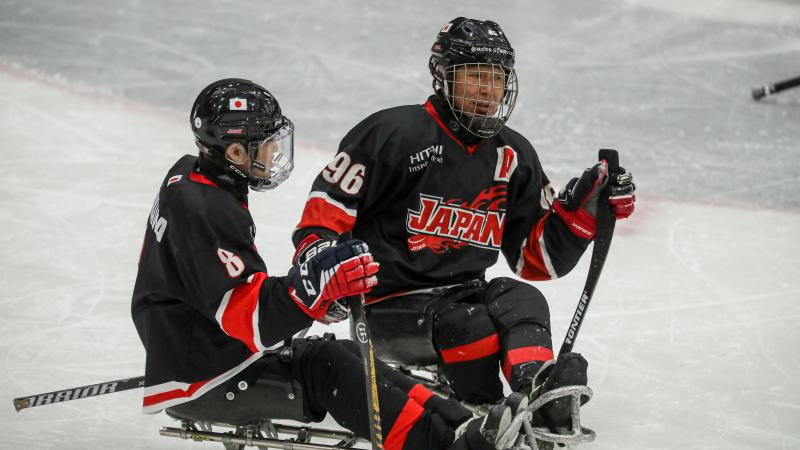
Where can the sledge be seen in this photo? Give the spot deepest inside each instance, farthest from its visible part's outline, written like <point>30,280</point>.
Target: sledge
<point>407,351</point>
<point>404,351</point>
<point>266,433</point>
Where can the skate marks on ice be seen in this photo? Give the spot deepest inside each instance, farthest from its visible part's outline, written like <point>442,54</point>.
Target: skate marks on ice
<point>690,337</point>
<point>692,347</point>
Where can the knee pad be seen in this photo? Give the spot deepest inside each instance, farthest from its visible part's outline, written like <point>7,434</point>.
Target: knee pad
<point>329,351</point>
<point>431,433</point>
<point>459,324</point>
<point>469,347</point>
<point>510,302</point>
<point>346,345</point>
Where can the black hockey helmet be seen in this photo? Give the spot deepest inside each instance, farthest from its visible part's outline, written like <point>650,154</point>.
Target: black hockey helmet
<point>476,45</point>
<point>234,110</point>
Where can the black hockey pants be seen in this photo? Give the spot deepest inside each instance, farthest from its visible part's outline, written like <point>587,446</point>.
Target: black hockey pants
<point>326,376</point>
<point>476,330</point>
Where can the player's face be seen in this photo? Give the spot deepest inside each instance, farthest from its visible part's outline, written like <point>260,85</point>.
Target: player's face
<point>268,162</point>
<point>478,89</point>
<point>237,154</point>
<point>264,157</point>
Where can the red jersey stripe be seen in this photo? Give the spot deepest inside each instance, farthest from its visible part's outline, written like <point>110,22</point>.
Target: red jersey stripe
<point>420,394</point>
<point>173,394</point>
<point>472,351</point>
<point>532,264</point>
<point>319,212</point>
<point>432,111</point>
<point>525,354</point>
<point>240,317</point>
<point>408,417</point>
<point>202,179</point>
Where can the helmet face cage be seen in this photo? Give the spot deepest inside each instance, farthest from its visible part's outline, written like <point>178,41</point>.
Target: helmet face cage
<point>279,148</point>
<point>481,96</point>
<point>472,64</point>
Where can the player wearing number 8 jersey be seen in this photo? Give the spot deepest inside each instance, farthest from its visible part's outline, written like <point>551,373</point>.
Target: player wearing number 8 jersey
<point>204,304</point>
<point>438,191</point>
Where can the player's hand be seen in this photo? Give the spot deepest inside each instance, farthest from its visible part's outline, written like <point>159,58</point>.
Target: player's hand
<point>340,271</point>
<point>577,203</point>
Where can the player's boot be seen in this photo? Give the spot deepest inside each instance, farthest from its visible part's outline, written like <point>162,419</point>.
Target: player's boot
<point>484,433</point>
<point>569,370</point>
<point>517,403</point>
<point>558,387</point>
<point>450,410</point>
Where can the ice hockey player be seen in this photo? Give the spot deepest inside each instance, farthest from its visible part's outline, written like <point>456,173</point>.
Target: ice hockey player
<point>437,191</point>
<point>208,313</point>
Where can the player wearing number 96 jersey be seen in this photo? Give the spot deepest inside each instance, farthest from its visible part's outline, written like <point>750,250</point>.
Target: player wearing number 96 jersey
<point>439,191</point>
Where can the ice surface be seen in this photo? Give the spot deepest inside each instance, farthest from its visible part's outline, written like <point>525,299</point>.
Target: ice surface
<point>691,338</point>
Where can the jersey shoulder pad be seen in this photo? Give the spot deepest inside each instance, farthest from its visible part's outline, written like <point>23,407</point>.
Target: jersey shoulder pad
<point>518,142</point>
<point>513,138</point>
<point>188,195</point>
<point>389,126</point>
<point>395,117</point>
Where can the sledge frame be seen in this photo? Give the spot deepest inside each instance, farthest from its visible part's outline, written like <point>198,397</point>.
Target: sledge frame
<point>263,434</point>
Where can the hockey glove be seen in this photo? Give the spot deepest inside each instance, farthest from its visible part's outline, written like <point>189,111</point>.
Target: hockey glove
<point>622,196</point>
<point>577,202</point>
<point>340,271</point>
<point>311,246</point>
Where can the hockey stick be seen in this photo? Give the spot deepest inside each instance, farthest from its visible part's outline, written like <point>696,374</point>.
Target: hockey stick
<point>77,393</point>
<point>769,89</point>
<point>360,330</point>
<point>602,242</point>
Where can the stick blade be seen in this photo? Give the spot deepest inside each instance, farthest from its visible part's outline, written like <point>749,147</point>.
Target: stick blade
<point>759,93</point>
<point>21,403</point>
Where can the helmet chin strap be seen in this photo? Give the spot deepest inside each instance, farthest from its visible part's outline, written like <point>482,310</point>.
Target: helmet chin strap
<point>257,184</point>
<point>237,173</point>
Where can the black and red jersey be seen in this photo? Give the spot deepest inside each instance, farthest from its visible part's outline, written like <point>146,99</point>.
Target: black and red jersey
<point>203,304</point>
<point>436,209</point>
